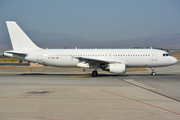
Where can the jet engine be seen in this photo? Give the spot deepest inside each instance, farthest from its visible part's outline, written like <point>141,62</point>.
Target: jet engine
<point>117,68</point>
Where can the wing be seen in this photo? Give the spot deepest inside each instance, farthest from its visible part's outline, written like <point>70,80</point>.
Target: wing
<point>102,63</point>
<point>87,60</point>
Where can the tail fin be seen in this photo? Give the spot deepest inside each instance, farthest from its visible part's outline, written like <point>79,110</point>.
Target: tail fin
<point>19,39</point>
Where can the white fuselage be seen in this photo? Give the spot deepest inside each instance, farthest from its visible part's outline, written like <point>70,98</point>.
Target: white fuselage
<point>130,57</point>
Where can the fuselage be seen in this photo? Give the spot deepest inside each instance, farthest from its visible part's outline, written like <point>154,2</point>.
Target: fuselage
<point>130,57</point>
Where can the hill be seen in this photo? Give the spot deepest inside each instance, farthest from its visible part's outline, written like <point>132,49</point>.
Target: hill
<point>54,40</point>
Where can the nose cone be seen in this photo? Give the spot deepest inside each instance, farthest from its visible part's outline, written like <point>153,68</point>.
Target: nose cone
<point>174,60</point>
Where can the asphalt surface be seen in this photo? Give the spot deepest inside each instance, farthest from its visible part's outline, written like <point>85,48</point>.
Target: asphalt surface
<point>75,95</point>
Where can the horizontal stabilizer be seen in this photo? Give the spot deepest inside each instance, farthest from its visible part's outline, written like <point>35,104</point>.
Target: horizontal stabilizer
<point>16,52</point>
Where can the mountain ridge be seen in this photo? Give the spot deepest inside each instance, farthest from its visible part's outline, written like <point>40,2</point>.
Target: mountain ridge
<point>55,40</point>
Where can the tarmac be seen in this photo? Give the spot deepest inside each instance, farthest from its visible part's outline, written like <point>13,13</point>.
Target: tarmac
<point>71,94</point>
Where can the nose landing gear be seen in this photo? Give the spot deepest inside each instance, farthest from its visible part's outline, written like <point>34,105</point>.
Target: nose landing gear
<point>153,72</point>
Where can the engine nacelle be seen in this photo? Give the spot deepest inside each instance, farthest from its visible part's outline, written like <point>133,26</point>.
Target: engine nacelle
<point>117,68</point>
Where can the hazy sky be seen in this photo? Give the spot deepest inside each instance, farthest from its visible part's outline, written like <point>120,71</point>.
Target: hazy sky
<point>94,19</point>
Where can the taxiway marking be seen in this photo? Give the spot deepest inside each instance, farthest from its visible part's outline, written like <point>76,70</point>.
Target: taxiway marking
<point>138,84</point>
<point>80,76</point>
<point>4,97</point>
<point>141,102</point>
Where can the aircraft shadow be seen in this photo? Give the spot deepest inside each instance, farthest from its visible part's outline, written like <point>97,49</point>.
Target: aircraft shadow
<point>99,75</point>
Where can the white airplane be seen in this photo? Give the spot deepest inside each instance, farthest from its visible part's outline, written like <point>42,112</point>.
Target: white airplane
<point>113,60</point>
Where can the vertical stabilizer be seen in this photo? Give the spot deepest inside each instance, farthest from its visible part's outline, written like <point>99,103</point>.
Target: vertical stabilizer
<point>18,38</point>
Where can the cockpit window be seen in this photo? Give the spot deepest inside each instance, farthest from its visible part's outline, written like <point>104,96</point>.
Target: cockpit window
<point>166,54</point>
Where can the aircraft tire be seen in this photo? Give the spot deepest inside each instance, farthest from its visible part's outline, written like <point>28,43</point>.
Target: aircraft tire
<point>94,73</point>
<point>153,73</point>
<point>20,61</point>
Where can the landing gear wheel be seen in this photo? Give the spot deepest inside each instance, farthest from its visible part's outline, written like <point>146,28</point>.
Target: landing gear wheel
<point>94,73</point>
<point>20,61</point>
<point>153,73</point>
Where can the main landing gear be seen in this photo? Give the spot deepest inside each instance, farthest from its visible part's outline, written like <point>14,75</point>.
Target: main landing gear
<point>153,72</point>
<point>94,73</point>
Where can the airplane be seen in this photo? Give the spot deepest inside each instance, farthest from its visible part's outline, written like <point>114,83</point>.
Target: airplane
<point>112,60</point>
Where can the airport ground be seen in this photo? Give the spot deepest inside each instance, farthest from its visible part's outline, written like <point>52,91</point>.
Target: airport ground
<point>47,93</point>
